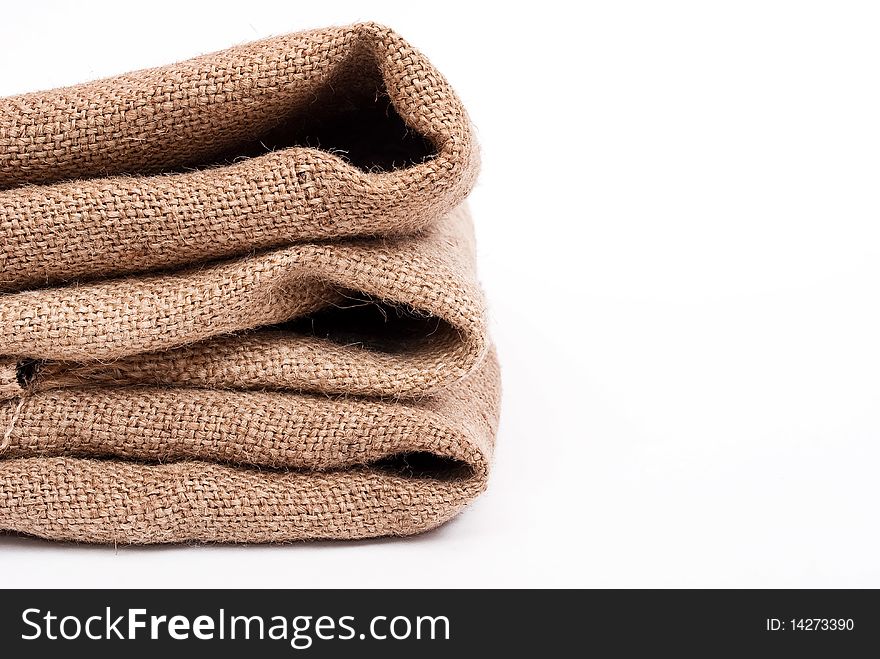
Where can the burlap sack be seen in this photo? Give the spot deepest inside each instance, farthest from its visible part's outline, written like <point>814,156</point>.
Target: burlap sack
<point>121,331</point>
<point>329,377</point>
<point>226,137</point>
<point>241,466</point>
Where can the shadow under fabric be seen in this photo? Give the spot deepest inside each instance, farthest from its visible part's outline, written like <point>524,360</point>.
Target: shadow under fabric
<point>238,300</point>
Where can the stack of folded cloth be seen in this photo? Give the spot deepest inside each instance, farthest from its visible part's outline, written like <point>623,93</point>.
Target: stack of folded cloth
<point>238,299</point>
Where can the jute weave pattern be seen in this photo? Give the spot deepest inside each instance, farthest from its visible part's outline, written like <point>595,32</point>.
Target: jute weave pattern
<point>238,300</point>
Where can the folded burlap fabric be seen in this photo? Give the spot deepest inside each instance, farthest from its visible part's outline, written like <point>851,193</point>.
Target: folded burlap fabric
<point>230,138</point>
<point>242,466</point>
<point>239,301</point>
<point>174,328</point>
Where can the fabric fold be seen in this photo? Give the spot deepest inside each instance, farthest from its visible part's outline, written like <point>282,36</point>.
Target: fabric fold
<point>202,465</point>
<point>176,328</point>
<point>331,133</point>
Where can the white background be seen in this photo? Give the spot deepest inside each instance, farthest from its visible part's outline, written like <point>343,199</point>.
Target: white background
<point>678,232</point>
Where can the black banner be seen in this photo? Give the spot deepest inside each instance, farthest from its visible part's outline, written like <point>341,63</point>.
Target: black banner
<point>398,623</point>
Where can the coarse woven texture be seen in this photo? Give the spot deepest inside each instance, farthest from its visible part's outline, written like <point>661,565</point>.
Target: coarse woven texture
<point>238,300</point>
<point>9,380</point>
<point>243,467</point>
<point>323,134</point>
<point>186,328</point>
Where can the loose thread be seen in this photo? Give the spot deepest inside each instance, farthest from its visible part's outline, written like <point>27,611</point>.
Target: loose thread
<point>4,444</point>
